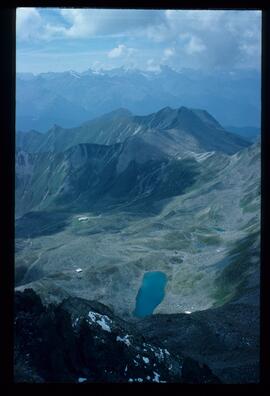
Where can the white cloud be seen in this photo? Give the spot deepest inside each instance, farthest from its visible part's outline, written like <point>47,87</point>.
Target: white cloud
<point>190,37</point>
<point>81,23</point>
<point>85,23</point>
<point>121,50</point>
<point>28,23</point>
<point>194,46</point>
<point>168,52</point>
<point>152,65</point>
<point>118,51</point>
<point>211,38</point>
<point>88,22</point>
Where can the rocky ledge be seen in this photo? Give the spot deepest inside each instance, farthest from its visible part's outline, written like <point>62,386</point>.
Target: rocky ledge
<point>81,341</point>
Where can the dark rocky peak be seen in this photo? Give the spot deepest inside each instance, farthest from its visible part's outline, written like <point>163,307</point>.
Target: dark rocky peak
<point>207,118</point>
<point>181,118</point>
<point>186,119</point>
<point>160,120</point>
<point>84,342</point>
<point>77,306</point>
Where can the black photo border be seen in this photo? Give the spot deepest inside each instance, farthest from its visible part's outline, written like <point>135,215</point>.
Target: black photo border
<point>7,170</point>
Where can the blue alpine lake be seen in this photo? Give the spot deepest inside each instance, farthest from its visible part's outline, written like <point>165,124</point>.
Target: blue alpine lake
<point>151,293</point>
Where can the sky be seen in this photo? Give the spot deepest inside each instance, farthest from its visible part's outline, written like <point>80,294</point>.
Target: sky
<point>59,39</point>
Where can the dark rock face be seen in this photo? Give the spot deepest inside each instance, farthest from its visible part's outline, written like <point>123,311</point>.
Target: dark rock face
<point>224,338</point>
<point>81,341</point>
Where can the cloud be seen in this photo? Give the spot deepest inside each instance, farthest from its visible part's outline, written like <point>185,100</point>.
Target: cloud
<point>168,52</point>
<point>152,66</point>
<point>28,24</point>
<point>85,23</point>
<point>180,38</point>
<point>211,38</point>
<point>194,46</point>
<point>118,51</point>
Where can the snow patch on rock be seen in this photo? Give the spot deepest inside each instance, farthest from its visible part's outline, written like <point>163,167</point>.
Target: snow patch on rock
<point>124,339</point>
<point>102,320</point>
<point>83,218</point>
<point>82,379</point>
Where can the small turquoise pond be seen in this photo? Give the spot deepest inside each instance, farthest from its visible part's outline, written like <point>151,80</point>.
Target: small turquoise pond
<point>151,293</point>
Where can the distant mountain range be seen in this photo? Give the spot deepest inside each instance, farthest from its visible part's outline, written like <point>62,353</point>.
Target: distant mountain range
<point>118,157</point>
<point>70,98</point>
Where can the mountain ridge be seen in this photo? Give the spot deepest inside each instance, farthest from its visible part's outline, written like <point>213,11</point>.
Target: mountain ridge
<point>70,98</point>
<point>121,124</point>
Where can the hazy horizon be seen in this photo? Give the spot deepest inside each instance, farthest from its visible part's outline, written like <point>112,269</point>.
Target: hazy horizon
<point>158,71</point>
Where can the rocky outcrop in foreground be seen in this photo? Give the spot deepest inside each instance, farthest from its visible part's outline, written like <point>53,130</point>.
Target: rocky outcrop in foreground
<point>225,338</point>
<point>80,341</point>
